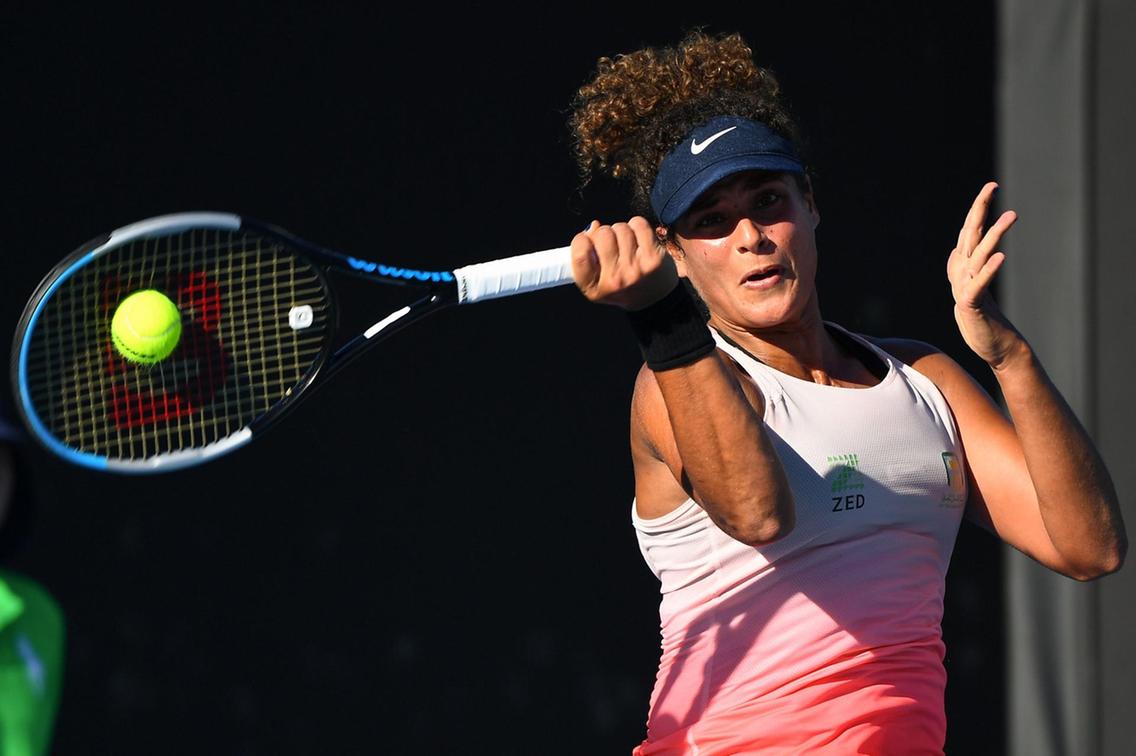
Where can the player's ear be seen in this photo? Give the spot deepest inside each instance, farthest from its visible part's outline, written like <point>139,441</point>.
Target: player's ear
<point>810,199</point>
<point>673,249</point>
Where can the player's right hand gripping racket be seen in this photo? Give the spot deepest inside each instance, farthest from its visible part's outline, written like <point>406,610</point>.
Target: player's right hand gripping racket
<point>258,324</point>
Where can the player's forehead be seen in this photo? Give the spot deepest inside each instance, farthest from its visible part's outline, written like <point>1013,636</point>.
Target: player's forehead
<point>741,181</point>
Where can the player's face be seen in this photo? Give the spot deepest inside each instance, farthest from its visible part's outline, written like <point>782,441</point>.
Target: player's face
<point>749,247</point>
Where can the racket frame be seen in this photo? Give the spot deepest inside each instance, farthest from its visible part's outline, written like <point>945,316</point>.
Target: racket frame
<point>472,283</point>
<point>88,253</point>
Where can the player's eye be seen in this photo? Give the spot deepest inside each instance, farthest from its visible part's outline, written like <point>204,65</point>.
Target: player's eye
<point>708,220</point>
<point>767,199</point>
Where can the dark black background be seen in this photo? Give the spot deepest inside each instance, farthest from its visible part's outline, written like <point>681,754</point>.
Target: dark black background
<point>434,554</point>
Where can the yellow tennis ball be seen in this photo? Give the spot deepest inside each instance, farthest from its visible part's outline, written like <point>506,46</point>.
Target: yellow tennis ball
<point>146,327</point>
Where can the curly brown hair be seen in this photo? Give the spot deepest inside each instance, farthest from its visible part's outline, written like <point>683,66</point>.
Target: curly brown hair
<point>641,104</point>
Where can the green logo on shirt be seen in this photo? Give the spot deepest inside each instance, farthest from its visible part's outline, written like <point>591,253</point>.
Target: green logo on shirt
<point>848,476</point>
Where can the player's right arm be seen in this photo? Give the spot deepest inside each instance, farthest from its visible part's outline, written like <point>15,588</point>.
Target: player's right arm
<point>696,429</point>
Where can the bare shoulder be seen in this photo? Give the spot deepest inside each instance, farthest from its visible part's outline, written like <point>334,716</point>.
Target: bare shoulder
<point>908,351</point>
<point>928,359</point>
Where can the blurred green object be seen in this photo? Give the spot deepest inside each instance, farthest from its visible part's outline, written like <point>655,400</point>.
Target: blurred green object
<point>31,665</point>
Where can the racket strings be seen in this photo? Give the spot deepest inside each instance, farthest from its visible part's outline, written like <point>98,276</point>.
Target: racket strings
<point>238,356</point>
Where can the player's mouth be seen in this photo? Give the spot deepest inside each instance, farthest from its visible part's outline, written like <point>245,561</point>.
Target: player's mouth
<point>763,278</point>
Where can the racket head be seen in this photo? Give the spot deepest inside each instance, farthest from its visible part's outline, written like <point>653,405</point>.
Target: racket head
<point>258,319</point>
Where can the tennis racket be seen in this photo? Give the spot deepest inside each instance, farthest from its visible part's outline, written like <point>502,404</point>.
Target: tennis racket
<point>259,319</point>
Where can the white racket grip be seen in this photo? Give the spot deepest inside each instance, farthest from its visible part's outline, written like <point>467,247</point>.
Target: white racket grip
<point>514,275</point>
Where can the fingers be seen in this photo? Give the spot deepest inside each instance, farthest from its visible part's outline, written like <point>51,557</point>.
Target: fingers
<point>971,231</point>
<point>619,264</point>
<point>650,252</point>
<point>968,266</point>
<point>990,242</point>
<point>585,261</point>
<point>963,265</point>
<point>607,249</point>
<point>615,248</point>
<point>982,278</point>
<point>973,291</point>
<point>625,240</point>
<point>971,276</point>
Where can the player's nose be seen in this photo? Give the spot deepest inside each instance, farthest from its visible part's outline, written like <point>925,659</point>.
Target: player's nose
<point>748,235</point>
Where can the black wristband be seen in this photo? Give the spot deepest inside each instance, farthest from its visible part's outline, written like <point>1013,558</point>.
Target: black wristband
<point>672,332</point>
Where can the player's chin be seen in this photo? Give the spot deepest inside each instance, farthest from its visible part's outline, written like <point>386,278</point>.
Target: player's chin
<point>770,311</point>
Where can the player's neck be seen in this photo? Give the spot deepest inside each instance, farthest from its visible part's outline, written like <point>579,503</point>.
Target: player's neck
<point>803,349</point>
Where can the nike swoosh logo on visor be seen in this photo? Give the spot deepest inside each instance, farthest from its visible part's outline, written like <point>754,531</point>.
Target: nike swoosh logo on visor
<point>696,148</point>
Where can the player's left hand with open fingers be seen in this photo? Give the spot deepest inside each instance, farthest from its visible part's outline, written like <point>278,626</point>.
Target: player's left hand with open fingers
<point>971,268</point>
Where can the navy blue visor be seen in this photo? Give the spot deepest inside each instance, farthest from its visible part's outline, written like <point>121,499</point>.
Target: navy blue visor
<point>721,147</point>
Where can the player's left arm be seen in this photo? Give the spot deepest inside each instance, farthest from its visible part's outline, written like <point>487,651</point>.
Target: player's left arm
<point>1038,481</point>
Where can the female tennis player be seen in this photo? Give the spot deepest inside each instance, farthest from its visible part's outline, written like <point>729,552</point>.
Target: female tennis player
<point>798,487</point>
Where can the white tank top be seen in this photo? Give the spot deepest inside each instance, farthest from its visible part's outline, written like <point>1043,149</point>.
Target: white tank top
<point>844,611</point>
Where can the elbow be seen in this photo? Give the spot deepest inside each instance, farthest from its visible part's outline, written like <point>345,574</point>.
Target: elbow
<point>1108,563</point>
<point>769,532</point>
<point>773,525</point>
<point>1115,559</point>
